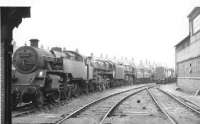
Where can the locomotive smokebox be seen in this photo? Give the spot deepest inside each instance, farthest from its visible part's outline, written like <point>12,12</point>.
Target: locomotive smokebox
<point>34,42</point>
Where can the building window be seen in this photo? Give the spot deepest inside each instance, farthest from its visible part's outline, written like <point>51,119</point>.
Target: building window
<point>190,68</point>
<point>196,24</point>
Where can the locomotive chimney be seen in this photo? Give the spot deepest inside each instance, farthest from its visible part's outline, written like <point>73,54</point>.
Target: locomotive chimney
<point>34,42</point>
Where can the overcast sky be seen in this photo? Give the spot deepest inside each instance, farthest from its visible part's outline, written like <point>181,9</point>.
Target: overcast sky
<point>142,29</point>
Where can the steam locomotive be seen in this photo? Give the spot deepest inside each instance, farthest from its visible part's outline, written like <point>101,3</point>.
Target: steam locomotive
<point>51,75</point>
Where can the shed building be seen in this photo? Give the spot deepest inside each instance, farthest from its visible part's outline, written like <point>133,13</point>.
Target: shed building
<point>187,56</point>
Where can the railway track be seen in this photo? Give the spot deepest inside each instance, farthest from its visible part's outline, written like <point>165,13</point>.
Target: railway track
<point>192,104</point>
<point>138,108</point>
<point>176,110</point>
<point>30,109</point>
<point>100,109</point>
<point>165,107</point>
<point>23,110</point>
<point>17,114</point>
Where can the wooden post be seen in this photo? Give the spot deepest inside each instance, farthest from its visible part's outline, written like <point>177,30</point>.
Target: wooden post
<point>10,17</point>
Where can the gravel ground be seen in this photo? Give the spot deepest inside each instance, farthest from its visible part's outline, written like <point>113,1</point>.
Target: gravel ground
<point>97,111</point>
<point>180,113</point>
<point>138,109</point>
<point>172,89</point>
<point>52,115</point>
<point>136,120</point>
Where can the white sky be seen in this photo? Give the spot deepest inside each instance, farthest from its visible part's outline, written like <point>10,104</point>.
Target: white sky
<point>142,29</point>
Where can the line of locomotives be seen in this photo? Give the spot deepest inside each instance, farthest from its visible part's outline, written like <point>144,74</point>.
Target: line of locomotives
<point>158,74</point>
<point>41,76</point>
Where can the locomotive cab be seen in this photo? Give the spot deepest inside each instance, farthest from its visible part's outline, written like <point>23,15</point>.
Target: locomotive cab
<point>74,63</point>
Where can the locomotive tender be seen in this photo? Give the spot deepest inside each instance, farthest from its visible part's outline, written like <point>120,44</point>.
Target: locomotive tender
<point>41,75</point>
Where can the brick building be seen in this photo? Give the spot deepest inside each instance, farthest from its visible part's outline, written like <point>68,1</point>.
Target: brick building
<point>187,56</point>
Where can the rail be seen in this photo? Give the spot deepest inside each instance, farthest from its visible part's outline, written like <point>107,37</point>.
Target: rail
<point>161,107</point>
<point>94,102</point>
<point>179,101</point>
<point>117,104</point>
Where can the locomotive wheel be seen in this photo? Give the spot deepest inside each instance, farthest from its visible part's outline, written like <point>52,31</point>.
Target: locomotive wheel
<point>100,87</point>
<point>103,86</point>
<point>91,86</point>
<point>108,84</point>
<point>55,98</point>
<point>69,92</point>
<point>39,99</point>
<point>86,88</point>
<point>76,90</point>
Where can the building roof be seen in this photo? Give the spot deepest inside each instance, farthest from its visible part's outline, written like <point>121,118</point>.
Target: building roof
<point>187,38</point>
<point>194,12</point>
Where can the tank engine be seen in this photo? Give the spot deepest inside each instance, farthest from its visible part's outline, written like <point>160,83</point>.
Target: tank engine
<point>79,71</point>
<point>38,75</point>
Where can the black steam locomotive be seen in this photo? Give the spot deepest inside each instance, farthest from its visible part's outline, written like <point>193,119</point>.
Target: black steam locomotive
<point>41,75</point>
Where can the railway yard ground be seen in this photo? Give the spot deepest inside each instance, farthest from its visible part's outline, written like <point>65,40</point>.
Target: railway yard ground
<point>136,104</point>
<point>172,88</point>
